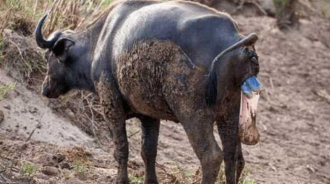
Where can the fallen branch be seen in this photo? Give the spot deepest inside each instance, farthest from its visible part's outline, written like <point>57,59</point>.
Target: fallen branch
<point>134,134</point>
<point>37,127</point>
<point>253,2</point>
<point>2,177</point>
<point>323,94</point>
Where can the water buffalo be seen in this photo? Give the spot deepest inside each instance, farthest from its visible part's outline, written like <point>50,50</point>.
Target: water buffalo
<point>172,60</point>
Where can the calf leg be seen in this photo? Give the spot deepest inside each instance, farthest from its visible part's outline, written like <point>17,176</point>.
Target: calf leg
<point>114,114</point>
<point>150,132</point>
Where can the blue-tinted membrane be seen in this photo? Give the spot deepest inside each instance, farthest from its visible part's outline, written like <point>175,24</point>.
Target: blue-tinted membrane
<point>251,85</point>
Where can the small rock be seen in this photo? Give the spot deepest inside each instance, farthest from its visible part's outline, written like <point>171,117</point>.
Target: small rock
<point>59,158</point>
<point>310,168</point>
<point>2,116</point>
<point>268,6</point>
<point>33,110</point>
<point>273,109</point>
<point>7,107</point>
<point>70,113</point>
<point>50,171</point>
<point>24,147</point>
<point>65,165</point>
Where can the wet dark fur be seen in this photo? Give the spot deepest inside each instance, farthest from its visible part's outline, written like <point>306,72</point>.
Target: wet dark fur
<point>151,60</point>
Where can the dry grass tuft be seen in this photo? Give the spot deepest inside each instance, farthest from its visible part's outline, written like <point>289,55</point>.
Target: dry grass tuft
<point>24,61</point>
<point>20,56</point>
<point>84,110</point>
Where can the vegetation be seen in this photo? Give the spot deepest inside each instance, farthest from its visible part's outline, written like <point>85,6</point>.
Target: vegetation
<point>28,168</point>
<point>136,179</point>
<point>63,14</point>
<point>286,14</point>
<point>5,89</point>
<point>80,168</point>
<point>0,49</point>
<point>248,181</point>
<point>243,180</point>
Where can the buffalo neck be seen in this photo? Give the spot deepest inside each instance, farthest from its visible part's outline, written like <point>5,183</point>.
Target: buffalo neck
<point>87,41</point>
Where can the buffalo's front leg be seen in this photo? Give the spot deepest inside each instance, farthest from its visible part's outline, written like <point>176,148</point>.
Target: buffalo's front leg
<point>114,114</point>
<point>150,132</point>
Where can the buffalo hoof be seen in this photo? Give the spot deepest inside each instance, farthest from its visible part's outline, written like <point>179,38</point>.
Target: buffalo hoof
<point>120,181</point>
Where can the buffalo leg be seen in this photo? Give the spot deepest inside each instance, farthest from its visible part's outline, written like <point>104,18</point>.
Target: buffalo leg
<point>114,114</point>
<point>240,162</point>
<point>150,132</point>
<point>198,125</point>
<point>201,137</point>
<point>183,94</point>
<point>233,157</point>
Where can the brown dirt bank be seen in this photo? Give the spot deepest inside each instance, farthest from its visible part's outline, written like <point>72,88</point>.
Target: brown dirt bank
<point>294,116</point>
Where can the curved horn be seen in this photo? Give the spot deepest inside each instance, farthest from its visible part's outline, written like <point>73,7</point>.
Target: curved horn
<point>42,43</point>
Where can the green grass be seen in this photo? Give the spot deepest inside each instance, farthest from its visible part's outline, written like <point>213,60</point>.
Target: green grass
<point>5,89</point>
<point>248,181</point>
<point>80,168</point>
<point>325,12</point>
<point>281,2</point>
<point>221,176</point>
<point>136,179</point>
<point>243,180</point>
<point>28,168</point>
<point>106,3</point>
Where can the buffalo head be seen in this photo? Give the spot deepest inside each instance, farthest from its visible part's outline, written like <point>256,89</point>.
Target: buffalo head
<point>62,55</point>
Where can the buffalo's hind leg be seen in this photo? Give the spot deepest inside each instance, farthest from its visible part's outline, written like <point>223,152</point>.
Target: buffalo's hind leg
<point>114,114</point>
<point>150,132</point>
<point>233,156</point>
<point>198,125</point>
<point>240,162</point>
<point>200,134</point>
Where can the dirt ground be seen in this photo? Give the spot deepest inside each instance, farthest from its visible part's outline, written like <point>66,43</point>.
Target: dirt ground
<point>38,145</point>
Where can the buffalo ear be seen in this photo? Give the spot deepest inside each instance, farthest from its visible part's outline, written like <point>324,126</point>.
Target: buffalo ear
<point>61,49</point>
